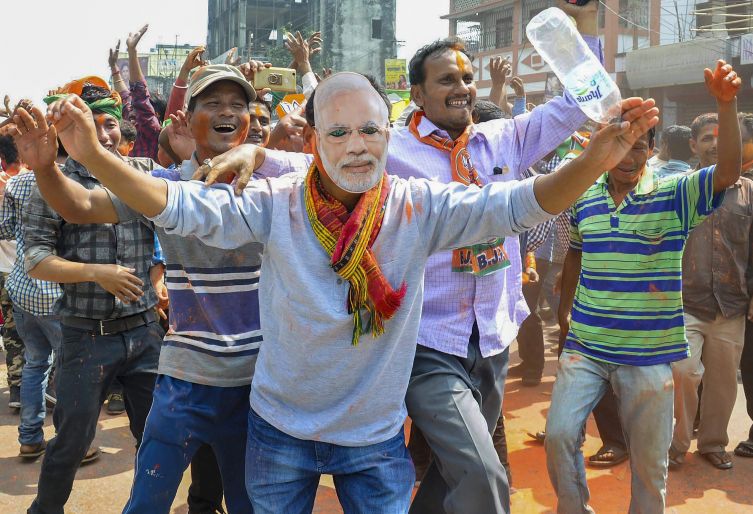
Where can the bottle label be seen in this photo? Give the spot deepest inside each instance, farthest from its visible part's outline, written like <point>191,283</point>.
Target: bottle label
<point>593,90</point>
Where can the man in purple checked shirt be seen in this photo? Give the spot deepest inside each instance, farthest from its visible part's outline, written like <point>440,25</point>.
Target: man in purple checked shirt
<point>470,319</point>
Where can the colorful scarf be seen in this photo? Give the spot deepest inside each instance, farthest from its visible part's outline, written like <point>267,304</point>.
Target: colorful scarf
<point>481,259</point>
<point>347,238</point>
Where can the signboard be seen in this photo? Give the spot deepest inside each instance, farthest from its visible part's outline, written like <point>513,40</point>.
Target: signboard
<point>125,70</point>
<point>289,104</point>
<point>396,73</point>
<point>746,49</point>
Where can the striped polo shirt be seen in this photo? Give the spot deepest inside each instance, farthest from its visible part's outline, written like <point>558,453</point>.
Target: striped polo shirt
<point>628,304</point>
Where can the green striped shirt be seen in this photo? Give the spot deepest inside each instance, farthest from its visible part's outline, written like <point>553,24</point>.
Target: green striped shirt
<point>628,304</point>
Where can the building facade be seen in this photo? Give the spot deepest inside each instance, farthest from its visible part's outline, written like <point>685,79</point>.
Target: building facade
<point>497,28</point>
<point>358,34</point>
<point>694,34</point>
<point>655,48</point>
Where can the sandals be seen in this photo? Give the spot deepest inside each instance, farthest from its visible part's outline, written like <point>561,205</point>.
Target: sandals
<point>607,457</point>
<point>539,437</point>
<point>745,449</point>
<point>720,460</point>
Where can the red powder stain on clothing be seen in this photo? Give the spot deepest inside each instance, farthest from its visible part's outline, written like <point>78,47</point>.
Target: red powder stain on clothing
<point>419,207</point>
<point>408,212</point>
<point>652,288</point>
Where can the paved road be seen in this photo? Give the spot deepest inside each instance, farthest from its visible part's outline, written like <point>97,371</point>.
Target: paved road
<point>103,487</point>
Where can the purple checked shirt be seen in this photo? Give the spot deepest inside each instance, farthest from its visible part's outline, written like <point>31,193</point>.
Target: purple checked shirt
<point>452,301</point>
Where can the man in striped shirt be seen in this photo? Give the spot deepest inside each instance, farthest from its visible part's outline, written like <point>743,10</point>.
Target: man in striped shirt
<point>209,354</point>
<point>627,240</point>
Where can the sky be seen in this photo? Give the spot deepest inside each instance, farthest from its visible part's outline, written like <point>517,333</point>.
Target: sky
<point>43,46</point>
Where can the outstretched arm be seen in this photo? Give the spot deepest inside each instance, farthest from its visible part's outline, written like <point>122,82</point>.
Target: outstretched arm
<point>73,122</point>
<point>37,145</point>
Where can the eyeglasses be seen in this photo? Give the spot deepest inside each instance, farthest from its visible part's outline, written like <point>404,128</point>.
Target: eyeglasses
<point>339,135</point>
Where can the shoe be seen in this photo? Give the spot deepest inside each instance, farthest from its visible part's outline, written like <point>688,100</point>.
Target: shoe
<point>515,371</point>
<point>530,381</point>
<point>607,457</point>
<point>745,449</point>
<point>32,451</point>
<point>675,460</point>
<point>720,460</point>
<point>14,402</point>
<point>92,454</point>
<point>115,404</point>
<point>539,437</point>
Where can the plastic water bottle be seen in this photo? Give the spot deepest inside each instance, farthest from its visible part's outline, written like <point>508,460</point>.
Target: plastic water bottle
<point>555,38</point>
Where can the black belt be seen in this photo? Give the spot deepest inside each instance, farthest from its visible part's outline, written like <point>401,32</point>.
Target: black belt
<point>107,327</point>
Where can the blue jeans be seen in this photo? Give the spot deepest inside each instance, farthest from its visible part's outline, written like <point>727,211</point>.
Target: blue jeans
<point>282,473</point>
<point>645,397</point>
<point>183,417</point>
<point>41,336</point>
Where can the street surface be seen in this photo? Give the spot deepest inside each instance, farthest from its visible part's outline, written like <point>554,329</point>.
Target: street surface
<point>103,486</point>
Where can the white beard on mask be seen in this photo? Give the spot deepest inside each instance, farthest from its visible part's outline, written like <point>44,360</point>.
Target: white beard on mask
<point>351,182</point>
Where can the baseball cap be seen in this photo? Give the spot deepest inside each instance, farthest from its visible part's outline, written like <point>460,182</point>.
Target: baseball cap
<point>208,75</point>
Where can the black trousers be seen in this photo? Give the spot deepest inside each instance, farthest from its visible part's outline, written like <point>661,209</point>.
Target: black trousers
<point>746,370</point>
<point>205,492</point>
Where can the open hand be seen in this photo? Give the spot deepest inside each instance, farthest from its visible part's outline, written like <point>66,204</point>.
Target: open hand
<point>134,38</point>
<point>499,69</point>
<point>239,162</point>
<point>112,60</point>
<point>119,281</point>
<point>611,144</point>
<point>723,83</point>
<point>73,121</point>
<point>231,58</point>
<point>36,141</point>
<point>194,59</point>
<point>518,86</point>
<point>302,49</point>
<point>180,137</point>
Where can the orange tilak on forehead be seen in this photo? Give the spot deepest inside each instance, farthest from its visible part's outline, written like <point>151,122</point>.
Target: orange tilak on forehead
<point>101,118</point>
<point>257,111</point>
<point>460,61</point>
<point>716,131</point>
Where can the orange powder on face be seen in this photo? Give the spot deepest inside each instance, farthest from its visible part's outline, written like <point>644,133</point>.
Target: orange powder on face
<point>257,111</point>
<point>460,61</point>
<point>716,131</point>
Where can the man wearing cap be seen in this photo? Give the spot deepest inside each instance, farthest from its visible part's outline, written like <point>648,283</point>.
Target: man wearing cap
<point>109,328</point>
<point>344,257</point>
<point>208,356</point>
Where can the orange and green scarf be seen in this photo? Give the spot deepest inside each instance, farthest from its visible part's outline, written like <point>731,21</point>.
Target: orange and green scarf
<point>481,259</point>
<point>347,237</point>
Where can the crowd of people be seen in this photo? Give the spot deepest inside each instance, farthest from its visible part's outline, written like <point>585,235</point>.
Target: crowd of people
<point>271,302</point>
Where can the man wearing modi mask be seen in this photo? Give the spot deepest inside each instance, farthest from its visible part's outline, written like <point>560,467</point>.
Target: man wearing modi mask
<point>345,246</point>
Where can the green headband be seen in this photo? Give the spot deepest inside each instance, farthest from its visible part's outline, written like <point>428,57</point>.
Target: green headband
<point>104,105</point>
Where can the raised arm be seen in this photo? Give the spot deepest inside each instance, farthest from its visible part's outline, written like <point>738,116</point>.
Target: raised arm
<point>178,94</point>
<point>37,144</point>
<point>499,70</point>
<point>136,73</point>
<point>724,84</point>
